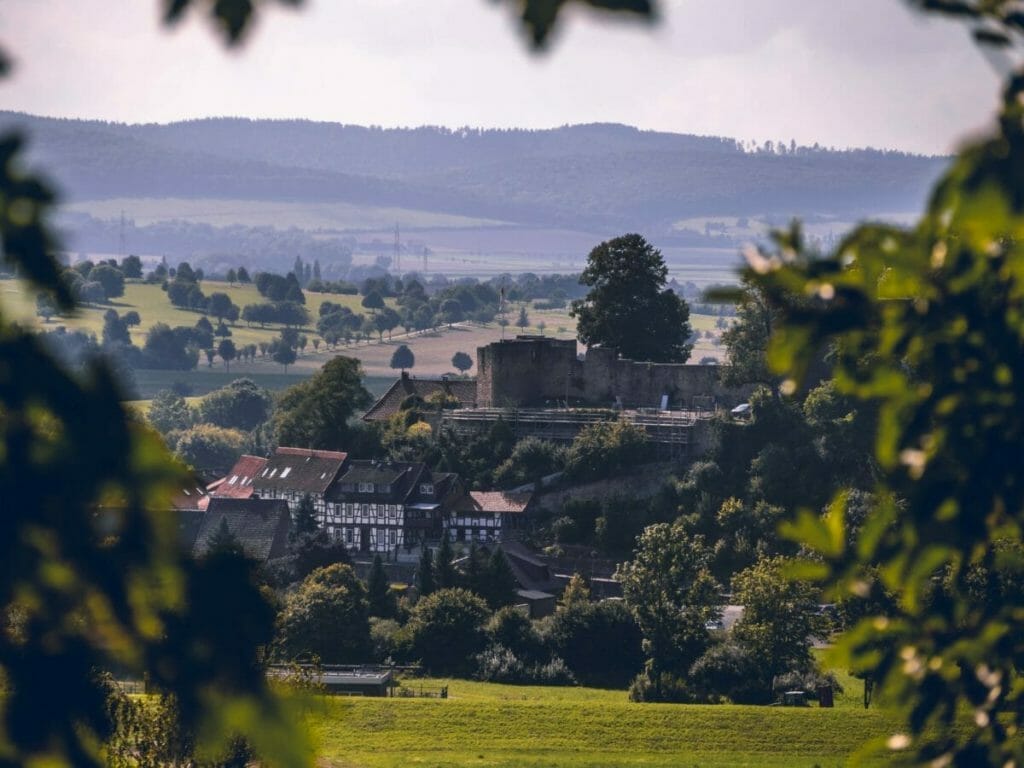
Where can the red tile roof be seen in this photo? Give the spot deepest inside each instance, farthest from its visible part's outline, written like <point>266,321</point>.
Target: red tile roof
<point>237,484</point>
<point>493,502</point>
<point>191,494</point>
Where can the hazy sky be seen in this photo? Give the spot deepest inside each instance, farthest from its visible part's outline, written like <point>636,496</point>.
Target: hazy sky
<point>838,72</point>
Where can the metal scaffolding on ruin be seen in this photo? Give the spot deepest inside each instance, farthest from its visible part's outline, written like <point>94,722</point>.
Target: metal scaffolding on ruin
<point>669,431</point>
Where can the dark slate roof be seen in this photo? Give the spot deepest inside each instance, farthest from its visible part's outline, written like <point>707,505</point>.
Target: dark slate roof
<point>463,390</point>
<point>401,477</point>
<point>238,483</point>
<point>260,525</point>
<point>301,470</point>
<point>189,523</point>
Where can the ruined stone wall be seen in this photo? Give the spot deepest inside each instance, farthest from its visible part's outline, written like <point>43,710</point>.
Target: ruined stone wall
<point>535,371</point>
<point>524,371</point>
<point>642,385</point>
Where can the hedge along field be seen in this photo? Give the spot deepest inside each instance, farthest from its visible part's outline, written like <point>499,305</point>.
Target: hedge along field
<point>500,725</point>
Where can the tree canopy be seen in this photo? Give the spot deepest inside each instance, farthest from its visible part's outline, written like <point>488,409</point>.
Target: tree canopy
<point>403,358</point>
<point>316,413</point>
<point>628,307</point>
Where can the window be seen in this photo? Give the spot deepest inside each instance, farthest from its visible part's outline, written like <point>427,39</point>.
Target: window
<point>285,472</point>
<point>233,480</point>
<point>393,537</point>
<point>272,473</point>
<point>427,489</point>
<point>366,510</point>
<point>366,487</point>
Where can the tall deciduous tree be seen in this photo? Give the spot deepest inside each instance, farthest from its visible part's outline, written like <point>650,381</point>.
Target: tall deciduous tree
<point>239,405</point>
<point>462,362</point>
<point>747,339</point>
<point>316,412</point>
<point>779,617</point>
<point>227,352</point>
<point>326,617</point>
<point>628,307</point>
<point>403,358</point>
<point>669,588</point>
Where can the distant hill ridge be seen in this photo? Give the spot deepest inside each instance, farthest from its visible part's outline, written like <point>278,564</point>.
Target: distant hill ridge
<point>580,176</point>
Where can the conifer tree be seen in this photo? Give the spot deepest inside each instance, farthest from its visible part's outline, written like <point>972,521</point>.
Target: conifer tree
<point>378,591</point>
<point>304,521</point>
<point>576,592</point>
<point>499,581</point>
<point>224,542</point>
<point>425,584</point>
<point>444,570</point>
<point>474,577</point>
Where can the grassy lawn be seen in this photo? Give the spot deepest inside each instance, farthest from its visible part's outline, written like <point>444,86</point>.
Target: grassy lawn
<point>498,725</point>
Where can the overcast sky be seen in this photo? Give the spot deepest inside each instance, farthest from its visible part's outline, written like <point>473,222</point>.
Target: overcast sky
<point>837,72</point>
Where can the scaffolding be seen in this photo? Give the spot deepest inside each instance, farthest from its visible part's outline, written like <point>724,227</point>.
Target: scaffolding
<point>670,431</point>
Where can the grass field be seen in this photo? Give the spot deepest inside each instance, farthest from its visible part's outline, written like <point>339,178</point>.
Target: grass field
<point>257,213</point>
<point>490,725</point>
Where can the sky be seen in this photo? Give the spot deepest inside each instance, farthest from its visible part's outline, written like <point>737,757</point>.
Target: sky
<point>835,72</point>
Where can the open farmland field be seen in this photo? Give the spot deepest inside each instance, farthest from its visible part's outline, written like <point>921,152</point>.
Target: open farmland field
<point>433,349</point>
<point>498,725</point>
<point>154,307</point>
<point>280,214</point>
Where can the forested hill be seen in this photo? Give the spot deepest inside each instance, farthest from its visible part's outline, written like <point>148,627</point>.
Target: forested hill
<point>575,176</point>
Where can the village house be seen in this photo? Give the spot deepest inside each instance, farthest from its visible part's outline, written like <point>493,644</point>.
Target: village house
<point>459,392</point>
<point>259,525</point>
<point>484,516</point>
<point>385,507</point>
<point>291,473</point>
<point>238,482</point>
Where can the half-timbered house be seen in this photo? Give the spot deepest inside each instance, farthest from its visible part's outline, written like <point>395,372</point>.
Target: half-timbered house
<point>291,473</point>
<point>385,507</point>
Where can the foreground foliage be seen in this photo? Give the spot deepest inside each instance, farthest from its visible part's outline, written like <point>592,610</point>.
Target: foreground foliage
<point>927,324</point>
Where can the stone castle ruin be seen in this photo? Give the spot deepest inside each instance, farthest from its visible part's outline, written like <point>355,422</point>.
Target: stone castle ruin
<point>542,372</point>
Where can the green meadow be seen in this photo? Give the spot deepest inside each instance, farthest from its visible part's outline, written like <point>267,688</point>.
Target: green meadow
<point>483,724</point>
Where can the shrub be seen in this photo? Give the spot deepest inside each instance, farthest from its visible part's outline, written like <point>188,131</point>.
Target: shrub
<point>728,671</point>
<point>385,639</point>
<point>672,689</point>
<point>600,642</point>
<point>498,664</point>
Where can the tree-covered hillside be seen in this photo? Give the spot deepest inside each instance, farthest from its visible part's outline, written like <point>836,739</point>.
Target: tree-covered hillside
<point>582,176</point>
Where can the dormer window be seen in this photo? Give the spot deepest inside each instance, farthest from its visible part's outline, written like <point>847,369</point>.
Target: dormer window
<point>427,489</point>
<point>366,487</point>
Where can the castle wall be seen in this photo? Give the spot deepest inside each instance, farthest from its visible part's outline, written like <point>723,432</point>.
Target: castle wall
<point>524,371</point>
<point>533,371</point>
